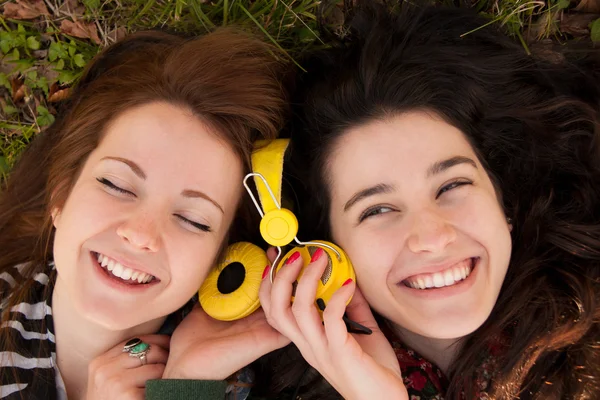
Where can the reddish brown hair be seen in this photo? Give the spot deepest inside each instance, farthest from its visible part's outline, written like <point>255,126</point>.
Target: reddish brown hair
<point>227,78</point>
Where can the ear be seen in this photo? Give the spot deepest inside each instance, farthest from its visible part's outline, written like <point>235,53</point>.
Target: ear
<point>55,214</point>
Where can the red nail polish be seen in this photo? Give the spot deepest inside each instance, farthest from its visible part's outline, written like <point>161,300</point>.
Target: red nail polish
<point>316,255</point>
<point>293,258</point>
<point>349,281</point>
<point>266,271</point>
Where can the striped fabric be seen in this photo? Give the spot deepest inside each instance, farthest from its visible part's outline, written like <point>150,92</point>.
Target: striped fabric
<point>32,330</point>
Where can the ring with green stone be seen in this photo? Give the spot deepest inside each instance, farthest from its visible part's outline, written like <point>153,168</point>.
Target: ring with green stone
<point>136,348</point>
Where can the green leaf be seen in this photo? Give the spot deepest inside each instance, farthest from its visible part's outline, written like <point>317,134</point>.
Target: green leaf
<point>16,54</point>
<point>562,4</point>
<point>32,43</point>
<point>79,60</point>
<point>60,64</point>
<point>4,81</point>
<point>595,30</point>
<point>66,77</point>
<point>42,83</point>
<point>92,5</point>
<point>20,28</point>
<point>44,117</point>
<point>5,46</point>
<point>72,48</point>
<point>54,51</point>
<point>3,165</point>
<point>32,75</point>
<point>24,64</point>
<point>8,109</point>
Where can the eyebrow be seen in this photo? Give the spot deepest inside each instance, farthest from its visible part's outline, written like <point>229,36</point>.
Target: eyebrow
<point>193,194</point>
<point>441,166</point>
<point>382,188</point>
<point>134,167</point>
<point>372,191</point>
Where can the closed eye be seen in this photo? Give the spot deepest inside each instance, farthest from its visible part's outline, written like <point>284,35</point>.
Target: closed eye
<point>196,225</point>
<point>373,211</point>
<point>450,186</point>
<point>111,186</point>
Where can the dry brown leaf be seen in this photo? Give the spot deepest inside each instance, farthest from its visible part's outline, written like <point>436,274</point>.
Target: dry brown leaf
<point>25,9</point>
<point>81,30</point>
<point>57,94</point>
<point>20,93</point>
<point>117,34</point>
<point>590,6</point>
<point>577,24</point>
<point>72,8</point>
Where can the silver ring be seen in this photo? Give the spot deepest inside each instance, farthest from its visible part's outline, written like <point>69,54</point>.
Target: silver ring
<point>136,348</point>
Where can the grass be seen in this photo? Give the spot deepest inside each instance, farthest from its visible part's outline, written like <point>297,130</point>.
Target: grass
<point>45,44</point>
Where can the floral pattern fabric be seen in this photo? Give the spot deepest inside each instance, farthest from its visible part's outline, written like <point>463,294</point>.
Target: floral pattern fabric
<point>425,381</point>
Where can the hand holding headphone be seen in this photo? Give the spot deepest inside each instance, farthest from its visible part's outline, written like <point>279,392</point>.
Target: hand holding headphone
<point>230,291</point>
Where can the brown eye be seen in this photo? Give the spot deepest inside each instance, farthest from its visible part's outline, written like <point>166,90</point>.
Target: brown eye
<point>373,211</point>
<point>450,186</point>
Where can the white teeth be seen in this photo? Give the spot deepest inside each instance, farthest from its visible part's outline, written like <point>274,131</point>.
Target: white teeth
<point>122,272</point>
<point>438,280</point>
<point>126,274</point>
<point>457,274</point>
<point>428,281</point>
<point>448,277</point>
<point>118,270</point>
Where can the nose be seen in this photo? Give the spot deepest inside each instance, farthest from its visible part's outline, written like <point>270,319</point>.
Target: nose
<point>140,231</point>
<point>430,232</point>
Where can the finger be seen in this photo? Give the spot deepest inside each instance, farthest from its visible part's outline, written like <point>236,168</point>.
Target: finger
<point>304,310</point>
<point>132,394</point>
<point>335,328</point>
<point>272,254</point>
<point>280,313</point>
<point>264,292</point>
<point>137,377</point>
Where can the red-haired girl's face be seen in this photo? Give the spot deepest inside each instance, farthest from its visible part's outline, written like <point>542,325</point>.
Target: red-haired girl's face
<point>147,216</point>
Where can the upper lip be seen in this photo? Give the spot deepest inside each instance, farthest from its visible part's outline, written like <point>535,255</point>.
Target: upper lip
<point>431,268</point>
<point>129,263</point>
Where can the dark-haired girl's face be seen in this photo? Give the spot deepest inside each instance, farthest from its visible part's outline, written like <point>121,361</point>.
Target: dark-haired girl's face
<point>419,217</point>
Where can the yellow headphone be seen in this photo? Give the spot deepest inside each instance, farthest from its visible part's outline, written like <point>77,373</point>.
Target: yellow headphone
<point>278,227</point>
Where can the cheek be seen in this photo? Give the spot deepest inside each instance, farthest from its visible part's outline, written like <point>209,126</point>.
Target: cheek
<point>191,262</point>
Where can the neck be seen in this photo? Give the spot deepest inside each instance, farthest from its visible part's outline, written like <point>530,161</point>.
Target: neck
<point>79,340</point>
<point>440,352</point>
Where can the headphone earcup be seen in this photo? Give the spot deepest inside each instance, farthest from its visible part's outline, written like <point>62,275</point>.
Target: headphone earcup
<point>230,291</point>
<point>337,272</point>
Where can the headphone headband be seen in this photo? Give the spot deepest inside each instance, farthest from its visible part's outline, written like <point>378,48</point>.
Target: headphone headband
<point>267,160</point>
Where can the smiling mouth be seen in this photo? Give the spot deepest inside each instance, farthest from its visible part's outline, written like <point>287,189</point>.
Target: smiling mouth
<point>126,275</point>
<point>449,277</point>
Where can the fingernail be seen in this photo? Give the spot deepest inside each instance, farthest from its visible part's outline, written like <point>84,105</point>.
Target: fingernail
<point>266,271</point>
<point>348,281</point>
<point>293,258</point>
<point>321,304</point>
<point>316,255</point>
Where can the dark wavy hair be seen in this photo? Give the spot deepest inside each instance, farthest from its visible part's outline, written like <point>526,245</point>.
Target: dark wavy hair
<point>534,123</point>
